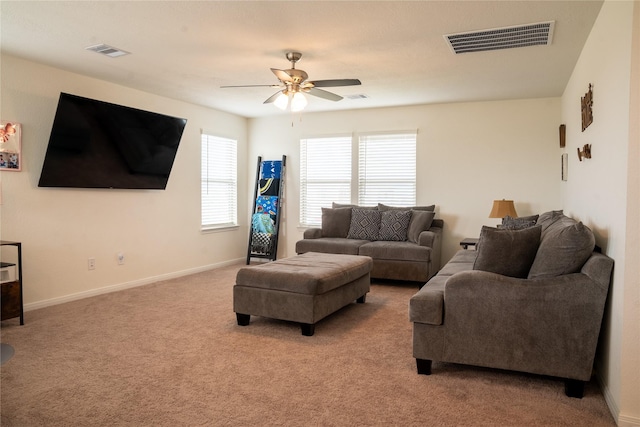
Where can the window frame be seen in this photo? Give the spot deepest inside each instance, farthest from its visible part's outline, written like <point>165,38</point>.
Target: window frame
<point>229,179</point>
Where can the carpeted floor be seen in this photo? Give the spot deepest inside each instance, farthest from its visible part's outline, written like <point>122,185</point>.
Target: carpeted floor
<point>171,354</point>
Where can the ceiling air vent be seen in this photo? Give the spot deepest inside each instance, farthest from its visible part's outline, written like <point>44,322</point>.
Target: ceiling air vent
<point>540,33</point>
<point>107,50</point>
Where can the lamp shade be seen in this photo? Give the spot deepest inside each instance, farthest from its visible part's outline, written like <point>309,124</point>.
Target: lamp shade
<point>282,101</point>
<point>502,208</point>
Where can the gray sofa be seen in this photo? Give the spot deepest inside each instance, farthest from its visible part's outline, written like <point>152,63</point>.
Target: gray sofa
<point>529,299</point>
<point>404,242</point>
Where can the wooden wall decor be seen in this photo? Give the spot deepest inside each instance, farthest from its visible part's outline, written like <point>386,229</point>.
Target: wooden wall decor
<point>585,153</point>
<point>587,104</point>
<point>563,133</point>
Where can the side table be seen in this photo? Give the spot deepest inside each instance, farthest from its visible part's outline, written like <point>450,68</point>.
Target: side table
<point>12,305</point>
<point>468,241</point>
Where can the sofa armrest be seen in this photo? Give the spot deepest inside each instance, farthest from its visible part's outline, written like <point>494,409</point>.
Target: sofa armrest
<point>312,233</point>
<point>548,326</point>
<point>432,238</point>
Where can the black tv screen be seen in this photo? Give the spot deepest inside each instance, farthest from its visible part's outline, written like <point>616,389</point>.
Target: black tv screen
<point>96,144</point>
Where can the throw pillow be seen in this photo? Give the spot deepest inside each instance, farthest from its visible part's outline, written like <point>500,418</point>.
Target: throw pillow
<point>548,218</point>
<point>394,225</point>
<point>519,223</point>
<point>365,224</point>
<point>420,221</point>
<point>336,222</point>
<point>507,252</point>
<point>563,250</point>
<point>406,208</point>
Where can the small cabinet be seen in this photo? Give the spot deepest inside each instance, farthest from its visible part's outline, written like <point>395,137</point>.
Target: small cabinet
<point>11,284</point>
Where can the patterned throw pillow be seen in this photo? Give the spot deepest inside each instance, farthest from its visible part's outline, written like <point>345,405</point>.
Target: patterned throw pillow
<point>394,225</point>
<point>365,224</point>
<point>509,223</point>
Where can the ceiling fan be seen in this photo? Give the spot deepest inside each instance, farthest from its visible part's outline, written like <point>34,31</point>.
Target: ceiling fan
<point>293,83</point>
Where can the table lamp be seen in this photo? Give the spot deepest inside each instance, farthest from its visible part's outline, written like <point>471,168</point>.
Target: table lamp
<point>502,208</point>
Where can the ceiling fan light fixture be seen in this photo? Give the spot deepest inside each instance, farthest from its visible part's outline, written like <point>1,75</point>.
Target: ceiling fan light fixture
<point>282,101</point>
<point>298,102</point>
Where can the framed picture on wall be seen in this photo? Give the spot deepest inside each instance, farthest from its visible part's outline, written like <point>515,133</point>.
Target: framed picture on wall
<point>565,166</point>
<point>10,146</point>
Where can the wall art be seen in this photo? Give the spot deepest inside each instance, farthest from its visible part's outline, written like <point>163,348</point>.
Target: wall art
<point>587,108</point>
<point>10,146</point>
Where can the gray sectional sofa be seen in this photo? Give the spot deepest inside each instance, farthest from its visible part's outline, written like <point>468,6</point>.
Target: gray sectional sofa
<point>404,242</point>
<point>530,298</point>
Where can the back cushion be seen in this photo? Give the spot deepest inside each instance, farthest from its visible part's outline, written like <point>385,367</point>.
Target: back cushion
<point>420,221</point>
<point>564,248</point>
<point>507,252</point>
<point>384,207</point>
<point>336,222</point>
<point>546,219</point>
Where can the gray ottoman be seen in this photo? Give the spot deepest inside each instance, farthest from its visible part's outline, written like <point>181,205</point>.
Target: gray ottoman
<point>303,288</point>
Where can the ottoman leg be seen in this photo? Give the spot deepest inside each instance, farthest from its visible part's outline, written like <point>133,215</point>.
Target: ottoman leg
<point>362,299</point>
<point>243,319</point>
<point>307,329</point>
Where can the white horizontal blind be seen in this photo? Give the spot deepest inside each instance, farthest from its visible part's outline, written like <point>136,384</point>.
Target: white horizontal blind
<point>387,169</point>
<point>219,190</point>
<point>325,176</point>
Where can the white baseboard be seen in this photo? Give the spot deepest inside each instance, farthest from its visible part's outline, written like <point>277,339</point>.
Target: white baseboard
<point>620,419</point>
<point>127,285</point>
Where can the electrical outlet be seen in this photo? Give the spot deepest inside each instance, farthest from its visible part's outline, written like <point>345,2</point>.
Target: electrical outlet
<point>120,258</point>
<point>92,264</point>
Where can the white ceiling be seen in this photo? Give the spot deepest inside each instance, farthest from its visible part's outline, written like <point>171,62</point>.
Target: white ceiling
<point>187,49</point>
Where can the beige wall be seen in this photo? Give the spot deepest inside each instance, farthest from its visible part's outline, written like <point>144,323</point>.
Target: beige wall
<point>158,231</point>
<point>603,191</point>
<point>468,155</point>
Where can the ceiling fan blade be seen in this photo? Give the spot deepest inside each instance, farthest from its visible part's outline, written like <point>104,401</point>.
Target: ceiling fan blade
<point>282,75</point>
<point>336,82</point>
<point>323,94</point>
<point>271,85</point>
<point>272,98</point>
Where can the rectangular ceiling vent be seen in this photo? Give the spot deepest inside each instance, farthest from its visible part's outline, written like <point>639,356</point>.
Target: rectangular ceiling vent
<point>358,96</point>
<point>107,50</point>
<point>540,33</point>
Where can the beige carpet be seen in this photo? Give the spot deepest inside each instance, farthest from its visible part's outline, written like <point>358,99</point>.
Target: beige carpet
<point>171,354</point>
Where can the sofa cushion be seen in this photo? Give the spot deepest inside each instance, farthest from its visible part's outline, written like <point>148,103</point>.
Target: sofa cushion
<point>336,222</point>
<point>383,207</point>
<point>519,223</point>
<point>330,245</point>
<point>420,221</point>
<point>365,224</point>
<point>394,225</point>
<point>564,248</point>
<point>507,252</point>
<point>548,218</point>
<point>400,251</point>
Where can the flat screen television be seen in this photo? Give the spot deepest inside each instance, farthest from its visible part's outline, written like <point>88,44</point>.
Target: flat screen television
<point>96,144</point>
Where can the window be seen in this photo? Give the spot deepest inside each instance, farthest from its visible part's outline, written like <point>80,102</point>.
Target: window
<point>325,176</point>
<point>387,169</point>
<point>219,190</point>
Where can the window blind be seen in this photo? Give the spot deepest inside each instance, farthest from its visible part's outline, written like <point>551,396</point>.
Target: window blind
<point>387,169</point>
<point>219,189</point>
<point>325,176</point>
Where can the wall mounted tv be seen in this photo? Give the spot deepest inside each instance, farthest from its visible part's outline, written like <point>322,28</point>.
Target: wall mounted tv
<point>95,144</point>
